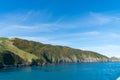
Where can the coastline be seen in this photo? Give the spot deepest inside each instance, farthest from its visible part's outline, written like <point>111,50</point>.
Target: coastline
<point>48,64</point>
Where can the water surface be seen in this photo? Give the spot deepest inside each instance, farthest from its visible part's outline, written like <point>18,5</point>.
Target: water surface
<point>74,71</point>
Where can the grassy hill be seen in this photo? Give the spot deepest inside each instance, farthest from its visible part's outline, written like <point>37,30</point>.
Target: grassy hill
<point>21,51</point>
<point>56,54</point>
<point>6,44</point>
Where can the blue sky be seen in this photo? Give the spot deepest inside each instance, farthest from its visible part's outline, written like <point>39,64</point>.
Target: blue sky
<point>83,24</point>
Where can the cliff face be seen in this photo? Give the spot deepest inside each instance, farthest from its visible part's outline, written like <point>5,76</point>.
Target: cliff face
<point>24,52</point>
<point>114,59</point>
<point>56,54</point>
<point>8,58</point>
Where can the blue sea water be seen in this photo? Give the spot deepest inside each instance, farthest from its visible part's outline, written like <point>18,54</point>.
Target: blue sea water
<point>73,71</point>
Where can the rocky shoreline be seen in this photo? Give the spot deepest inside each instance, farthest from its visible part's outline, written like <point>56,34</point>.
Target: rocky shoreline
<point>20,53</point>
<point>49,64</point>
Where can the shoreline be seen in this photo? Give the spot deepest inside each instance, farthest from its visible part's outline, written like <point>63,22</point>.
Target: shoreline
<point>48,64</point>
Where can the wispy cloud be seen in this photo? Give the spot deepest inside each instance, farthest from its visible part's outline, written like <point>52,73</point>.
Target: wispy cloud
<point>108,50</point>
<point>91,33</point>
<point>12,30</point>
<point>78,32</point>
<point>99,19</point>
<point>93,19</point>
<point>45,40</point>
<point>43,22</point>
<point>26,17</point>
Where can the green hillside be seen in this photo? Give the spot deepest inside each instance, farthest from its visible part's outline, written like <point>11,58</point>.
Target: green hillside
<point>56,54</point>
<point>25,52</point>
<point>6,44</point>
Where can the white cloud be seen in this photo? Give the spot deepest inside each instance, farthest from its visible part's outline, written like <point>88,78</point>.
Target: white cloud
<point>109,50</point>
<point>78,34</point>
<point>100,19</point>
<point>38,27</point>
<point>95,19</point>
<point>96,35</point>
<point>92,33</point>
<point>15,29</point>
<point>57,31</point>
<point>114,35</point>
<point>42,21</point>
<point>44,40</point>
<point>27,17</point>
<point>26,22</point>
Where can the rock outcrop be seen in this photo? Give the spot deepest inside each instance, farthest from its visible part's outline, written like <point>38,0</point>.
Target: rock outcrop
<point>20,52</point>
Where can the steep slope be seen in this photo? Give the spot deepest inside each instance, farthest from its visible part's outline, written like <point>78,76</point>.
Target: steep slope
<point>8,58</point>
<point>57,54</point>
<point>7,46</point>
<point>24,52</point>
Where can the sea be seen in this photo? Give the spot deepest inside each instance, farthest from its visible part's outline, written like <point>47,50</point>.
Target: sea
<point>67,71</point>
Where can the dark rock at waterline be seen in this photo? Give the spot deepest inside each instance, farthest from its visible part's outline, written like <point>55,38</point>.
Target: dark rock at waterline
<point>19,53</point>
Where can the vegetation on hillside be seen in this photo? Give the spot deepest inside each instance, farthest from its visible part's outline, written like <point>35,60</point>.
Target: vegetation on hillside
<point>57,54</point>
<point>9,58</point>
<point>24,52</point>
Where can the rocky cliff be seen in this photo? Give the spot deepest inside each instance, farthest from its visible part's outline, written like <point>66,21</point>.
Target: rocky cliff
<point>18,52</point>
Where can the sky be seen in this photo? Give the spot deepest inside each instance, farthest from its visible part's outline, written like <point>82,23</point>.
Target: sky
<point>83,24</point>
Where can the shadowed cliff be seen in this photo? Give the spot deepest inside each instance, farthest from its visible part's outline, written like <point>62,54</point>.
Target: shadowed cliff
<point>17,51</point>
